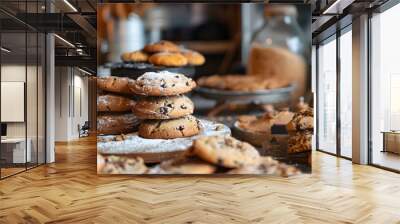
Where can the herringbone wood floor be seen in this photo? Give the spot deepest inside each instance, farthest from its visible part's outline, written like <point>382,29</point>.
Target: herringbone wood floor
<point>69,191</point>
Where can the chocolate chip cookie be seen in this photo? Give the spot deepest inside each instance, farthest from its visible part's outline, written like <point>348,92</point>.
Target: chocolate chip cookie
<point>115,124</point>
<point>162,83</point>
<point>183,165</point>
<point>269,166</point>
<point>300,142</point>
<point>115,84</point>
<point>302,121</point>
<point>114,103</point>
<point>193,57</point>
<point>120,165</point>
<point>161,46</point>
<point>135,56</point>
<point>169,129</point>
<point>283,117</point>
<point>169,59</point>
<point>165,107</point>
<point>225,151</point>
<point>255,124</point>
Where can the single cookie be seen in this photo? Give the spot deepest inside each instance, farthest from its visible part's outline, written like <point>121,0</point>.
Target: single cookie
<point>161,46</point>
<point>193,57</point>
<point>283,117</point>
<point>114,103</point>
<point>120,165</point>
<point>116,124</point>
<point>302,121</point>
<point>166,107</point>
<point>183,166</point>
<point>115,84</point>
<point>135,56</point>
<point>162,83</point>
<point>126,56</point>
<point>300,142</point>
<point>225,151</point>
<point>168,129</point>
<point>168,59</point>
<point>269,166</point>
<point>254,124</point>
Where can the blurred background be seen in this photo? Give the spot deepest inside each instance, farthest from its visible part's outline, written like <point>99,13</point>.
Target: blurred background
<point>221,32</point>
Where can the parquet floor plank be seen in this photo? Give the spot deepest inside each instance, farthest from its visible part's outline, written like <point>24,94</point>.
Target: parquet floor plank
<point>70,191</point>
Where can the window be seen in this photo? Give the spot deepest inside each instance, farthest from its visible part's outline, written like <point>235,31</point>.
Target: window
<point>346,94</point>
<point>385,89</point>
<point>327,97</point>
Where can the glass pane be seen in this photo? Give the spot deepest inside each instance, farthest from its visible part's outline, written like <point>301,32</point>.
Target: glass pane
<point>346,94</point>
<point>31,98</point>
<point>22,76</point>
<point>327,97</point>
<point>385,89</point>
<point>13,85</point>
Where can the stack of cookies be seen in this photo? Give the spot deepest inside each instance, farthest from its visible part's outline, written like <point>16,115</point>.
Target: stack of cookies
<point>165,112</point>
<point>114,105</point>
<point>300,130</point>
<point>164,53</point>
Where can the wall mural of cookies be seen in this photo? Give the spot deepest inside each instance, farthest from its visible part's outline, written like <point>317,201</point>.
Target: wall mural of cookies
<point>186,89</point>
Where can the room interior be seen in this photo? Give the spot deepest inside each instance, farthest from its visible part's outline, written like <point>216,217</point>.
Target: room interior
<point>49,62</point>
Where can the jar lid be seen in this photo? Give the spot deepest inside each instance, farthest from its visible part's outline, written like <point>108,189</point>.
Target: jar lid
<point>275,10</point>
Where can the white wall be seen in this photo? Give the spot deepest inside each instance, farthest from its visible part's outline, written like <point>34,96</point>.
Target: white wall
<point>61,104</point>
<point>81,102</point>
<point>71,102</point>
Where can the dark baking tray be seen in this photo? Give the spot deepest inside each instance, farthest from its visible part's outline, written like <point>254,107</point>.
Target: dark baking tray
<point>260,96</point>
<point>134,70</point>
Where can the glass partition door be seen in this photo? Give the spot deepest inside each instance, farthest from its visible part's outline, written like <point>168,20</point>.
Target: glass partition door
<point>22,78</point>
<point>14,153</point>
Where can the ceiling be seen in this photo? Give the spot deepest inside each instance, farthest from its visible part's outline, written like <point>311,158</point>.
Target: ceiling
<point>331,15</point>
<point>72,20</point>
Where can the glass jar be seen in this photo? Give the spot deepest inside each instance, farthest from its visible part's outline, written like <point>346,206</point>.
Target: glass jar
<point>278,48</point>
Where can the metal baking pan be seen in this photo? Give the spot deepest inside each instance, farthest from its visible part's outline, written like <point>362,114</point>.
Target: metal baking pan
<point>259,96</point>
<point>134,70</point>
